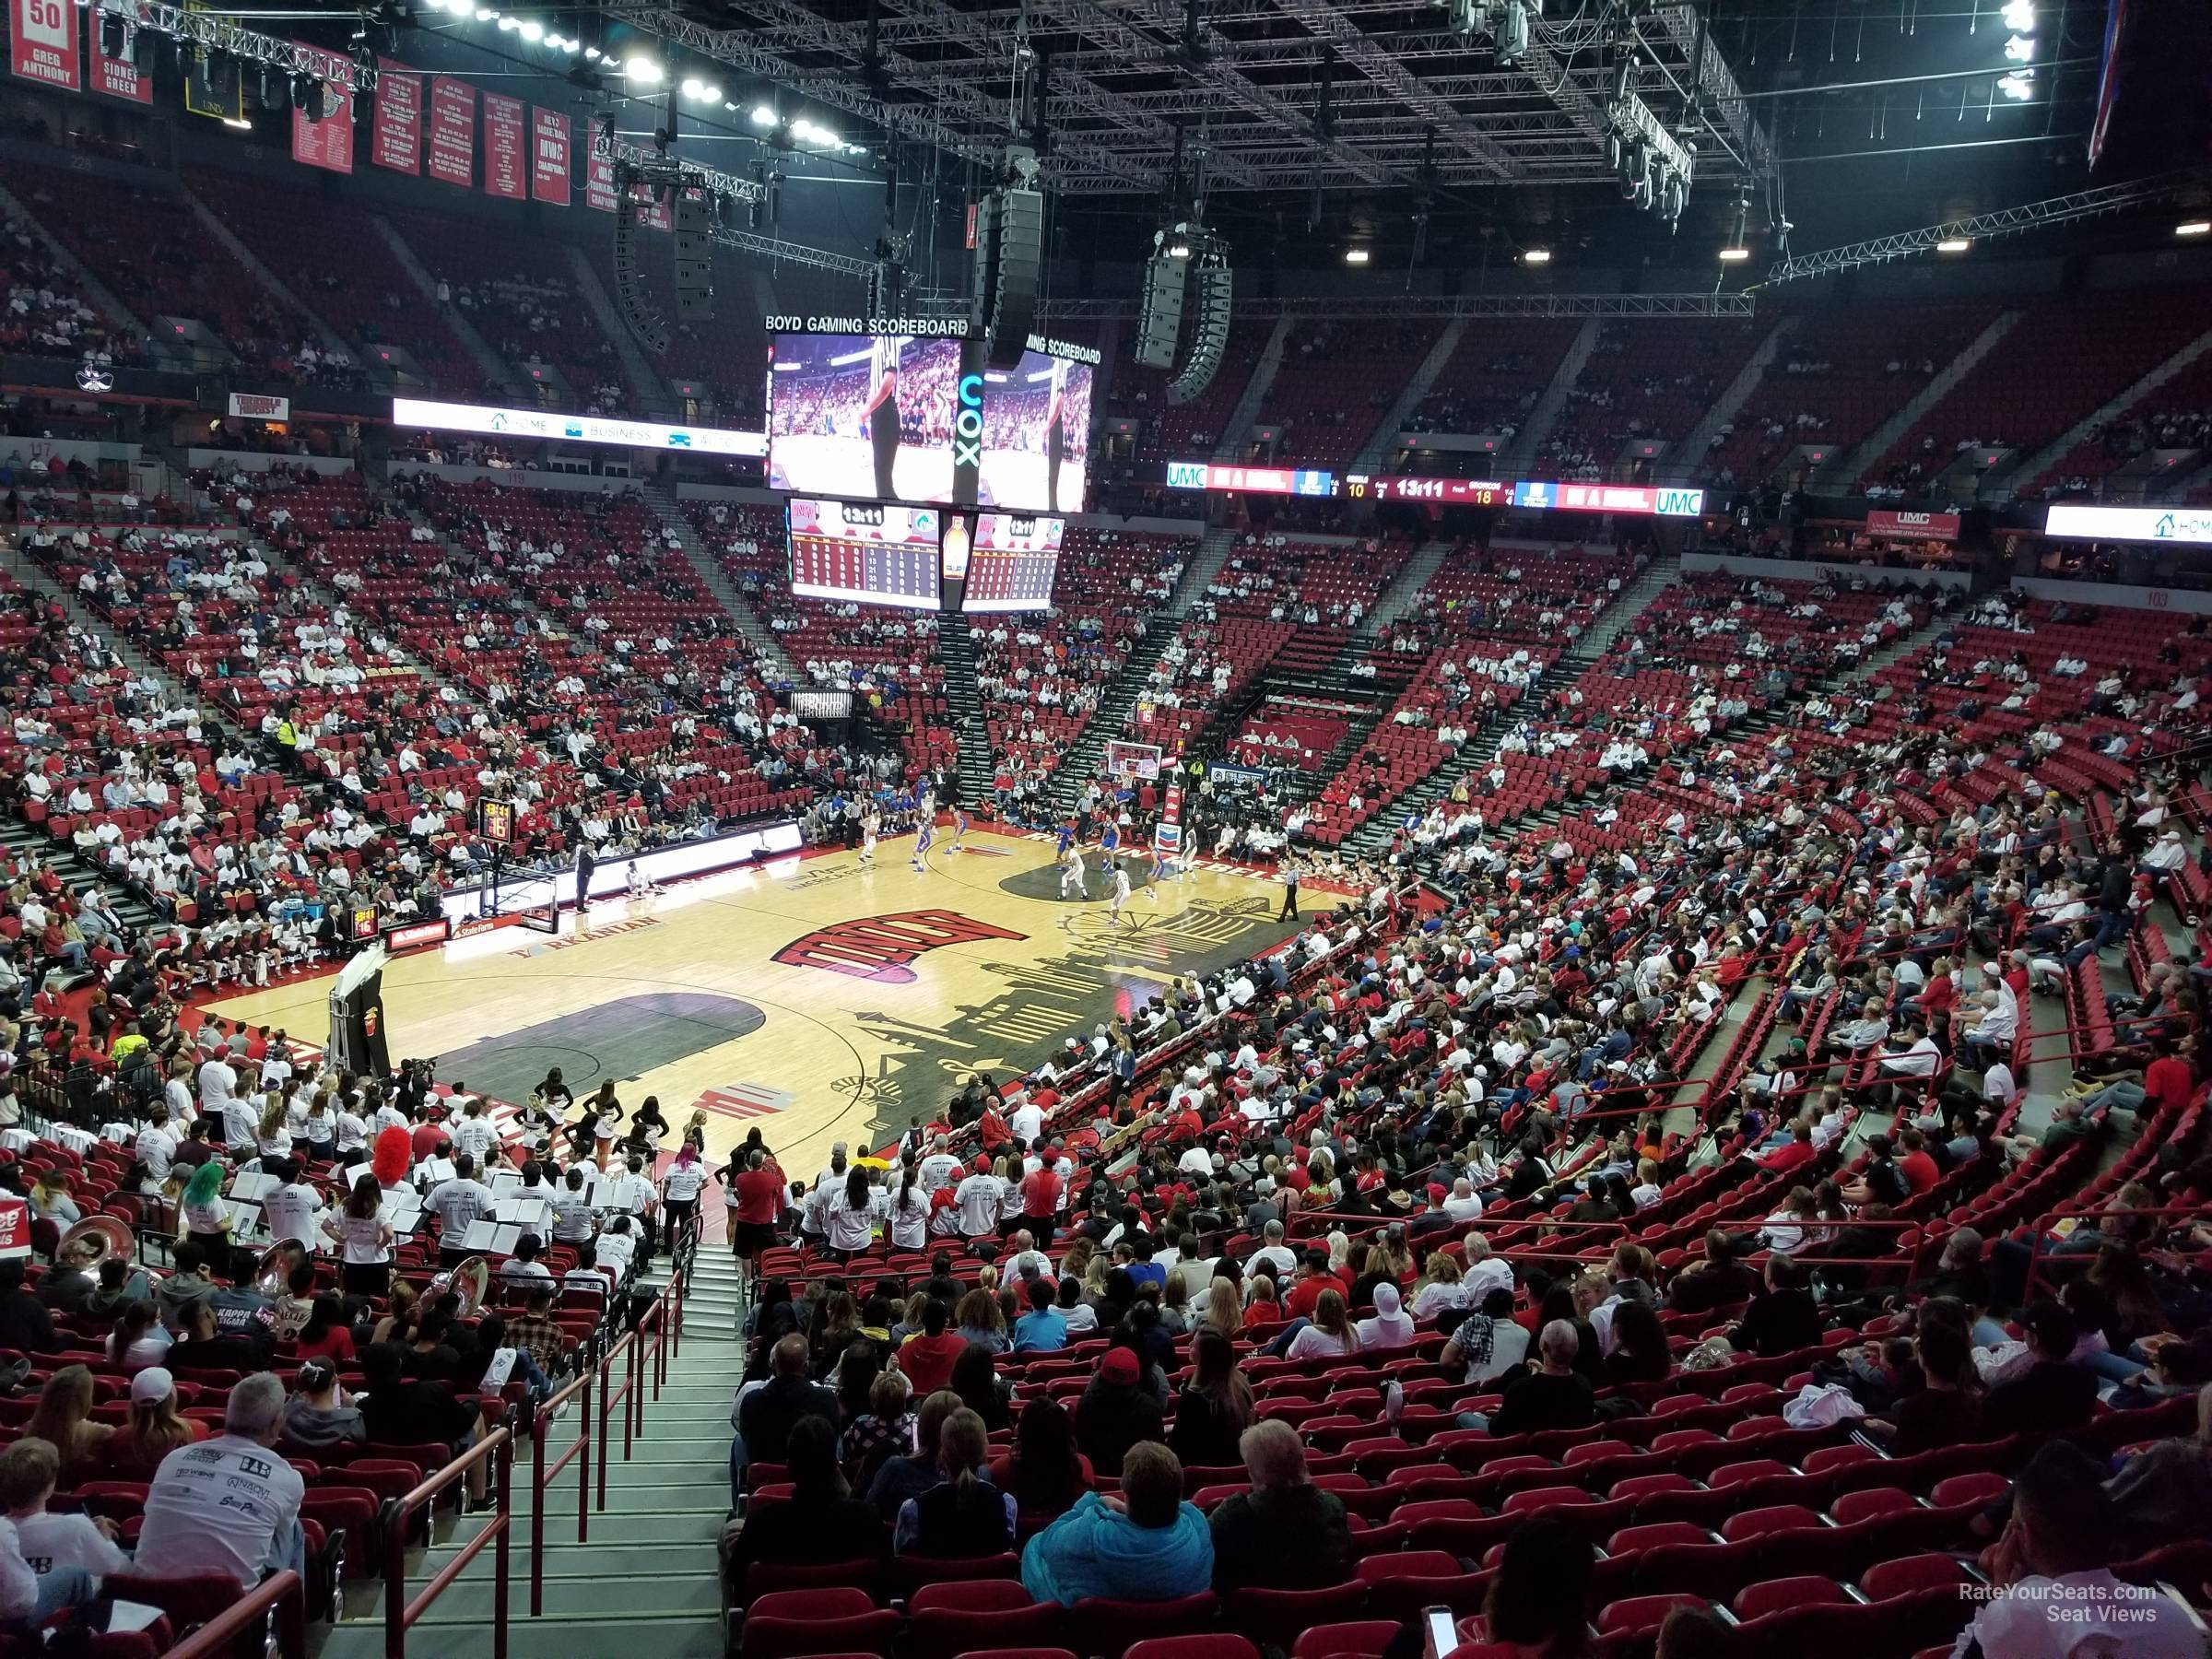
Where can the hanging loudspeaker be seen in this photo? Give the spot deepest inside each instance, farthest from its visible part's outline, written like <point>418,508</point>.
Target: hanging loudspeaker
<point>1161,323</point>
<point>694,257</point>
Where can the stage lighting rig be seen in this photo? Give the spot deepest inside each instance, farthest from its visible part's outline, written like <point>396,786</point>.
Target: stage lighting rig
<point>1653,166</point>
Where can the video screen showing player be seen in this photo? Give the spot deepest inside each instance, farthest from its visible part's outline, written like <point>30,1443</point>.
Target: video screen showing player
<point>863,414</point>
<point>1036,435</point>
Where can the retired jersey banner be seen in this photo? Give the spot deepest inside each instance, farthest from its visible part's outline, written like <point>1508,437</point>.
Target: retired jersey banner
<point>1167,836</point>
<point>44,33</point>
<point>550,156</point>
<point>504,154</point>
<point>117,76</point>
<point>395,141</point>
<point>327,143</point>
<point>14,1228</point>
<point>452,153</point>
<point>599,183</point>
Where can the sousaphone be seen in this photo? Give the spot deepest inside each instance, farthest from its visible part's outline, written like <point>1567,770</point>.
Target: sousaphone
<point>110,1237</point>
<point>273,1275</point>
<point>468,1281</point>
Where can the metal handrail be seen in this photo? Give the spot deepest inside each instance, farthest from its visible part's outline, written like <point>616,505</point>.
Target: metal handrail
<point>543,1474</point>
<point>285,1591</point>
<point>400,1615</point>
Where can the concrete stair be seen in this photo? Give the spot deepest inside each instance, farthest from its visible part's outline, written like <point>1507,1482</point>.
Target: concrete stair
<point>1529,442</point>
<point>647,1580</point>
<point>1247,410</point>
<point>1406,587</point>
<point>1845,473</point>
<point>762,638</point>
<point>495,367</point>
<point>1370,458</point>
<point>956,652</point>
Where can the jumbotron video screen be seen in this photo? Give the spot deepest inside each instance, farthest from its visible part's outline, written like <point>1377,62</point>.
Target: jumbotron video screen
<point>861,415</point>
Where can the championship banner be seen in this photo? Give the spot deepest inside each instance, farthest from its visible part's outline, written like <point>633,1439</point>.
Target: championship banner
<point>327,143</point>
<point>44,34</point>
<point>599,183</point>
<point>117,77</point>
<point>504,159</point>
<point>550,156</point>
<point>452,132</point>
<point>1167,835</point>
<point>396,139</point>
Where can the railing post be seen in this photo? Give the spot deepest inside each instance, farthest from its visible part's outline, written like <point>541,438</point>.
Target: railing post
<point>538,1424</point>
<point>583,1468</point>
<point>606,1361</point>
<point>291,1622</point>
<point>396,1585</point>
<point>634,1398</point>
<point>503,1548</point>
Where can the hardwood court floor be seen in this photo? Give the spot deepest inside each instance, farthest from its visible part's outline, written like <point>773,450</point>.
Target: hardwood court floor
<point>820,998</point>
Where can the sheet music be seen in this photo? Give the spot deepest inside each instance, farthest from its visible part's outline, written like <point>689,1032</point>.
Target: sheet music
<point>531,1214</point>
<point>431,1170</point>
<point>503,1181</point>
<point>252,1185</point>
<point>245,1220</point>
<point>490,1238</point>
<point>119,1135</point>
<point>405,1214</point>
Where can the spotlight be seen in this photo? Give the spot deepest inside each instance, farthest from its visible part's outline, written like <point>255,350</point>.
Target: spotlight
<point>2020,16</point>
<point>2194,227</point>
<point>1179,250</point>
<point>1356,256</point>
<point>1953,244</point>
<point>826,138</point>
<point>2020,50</point>
<point>2018,87</point>
<point>590,54</point>
<point>533,31</point>
<point>693,90</point>
<point>1735,255</point>
<point>1536,256</point>
<point>709,93</point>
<point>509,25</point>
<point>644,71</point>
<point>763,116</point>
<point>485,15</point>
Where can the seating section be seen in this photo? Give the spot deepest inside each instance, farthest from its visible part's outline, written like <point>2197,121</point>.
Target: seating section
<point>1335,381</point>
<point>2178,415</point>
<point>2089,345</point>
<point>1170,431</point>
<point>1840,373</point>
<point>1494,376</point>
<point>1651,378</point>
<point>367,296</point>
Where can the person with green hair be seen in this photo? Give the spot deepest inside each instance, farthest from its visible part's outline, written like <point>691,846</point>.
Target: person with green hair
<point>202,1218</point>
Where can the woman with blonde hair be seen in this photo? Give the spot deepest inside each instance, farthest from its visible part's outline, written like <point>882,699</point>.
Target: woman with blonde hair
<point>1222,1312</point>
<point>1442,1288</point>
<point>272,1137</point>
<point>1330,1333</point>
<point>1340,1251</point>
<point>982,1322</point>
<point>156,1428</point>
<point>1077,1262</point>
<point>63,1420</point>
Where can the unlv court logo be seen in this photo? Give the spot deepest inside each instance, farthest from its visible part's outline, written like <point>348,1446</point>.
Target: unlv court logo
<point>882,948</point>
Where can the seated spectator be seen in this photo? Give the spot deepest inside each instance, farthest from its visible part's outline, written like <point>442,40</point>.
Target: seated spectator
<point>203,1347</point>
<point>1285,1530</point>
<point>1716,1280</point>
<point>963,1517</point>
<point>139,1339</point>
<point>927,1357</point>
<point>1554,1396</point>
<point>2165,1494</point>
<point>398,1411</point>
<point>321,1415</point>
<point>25,1324</point>
<point>766,1412</point>
<point>327,1334</point>
<point>1146,1543</point>
<point>2055,1552</point>
<point>228,1505</point>
<point>900,1478</point>
<point>1391,1327</point>
<point>1044,1472</point>
<point>55,1546</point>
<point>1785,1319</point>
<point>64,1421</point>
<point>1044,1329</point>
<point>156,1427</point>
<point>1488,1343</point>
<point>1539,1603</point>
<point>1215,1407</point>
<point>1116,1411</point>
<point>2053,1393</point>
<point>1945,1411</point>
<point>821,1521</point>
<point>1640,1350</point>
<point>884,1430</point>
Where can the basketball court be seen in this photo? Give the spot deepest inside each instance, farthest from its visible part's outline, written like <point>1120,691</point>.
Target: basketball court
<point>818,998</point>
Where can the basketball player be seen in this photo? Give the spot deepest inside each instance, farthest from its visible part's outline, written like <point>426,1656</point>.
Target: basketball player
<point>871,824</point>
<point>959,825</point>
<point>1072,873</point>
<point>881,410</point>
<point>925,836</point>
<point>1056,434</point>
<point>1121,893</point>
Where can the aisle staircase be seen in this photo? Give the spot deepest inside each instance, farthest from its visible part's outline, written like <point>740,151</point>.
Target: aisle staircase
<point>646,1581</point>
<point>1846,471</point>
<point>955,653</point>
<point>670,511</point>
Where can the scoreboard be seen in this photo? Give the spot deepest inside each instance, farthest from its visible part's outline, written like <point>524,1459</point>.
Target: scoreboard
<point>1452,492</point>
<point>871,553</point>
<point>1014,560</point>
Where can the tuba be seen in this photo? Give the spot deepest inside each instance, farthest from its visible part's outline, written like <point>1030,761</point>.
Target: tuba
<point>469,1281</point>
<point>107,1237</point>
<point>273,1275</point>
